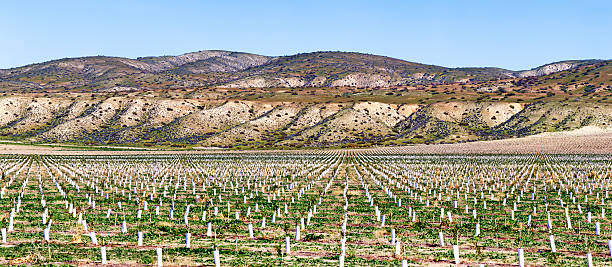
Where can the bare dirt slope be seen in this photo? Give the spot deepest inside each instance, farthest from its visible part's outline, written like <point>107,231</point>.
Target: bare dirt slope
<point>587,140</point>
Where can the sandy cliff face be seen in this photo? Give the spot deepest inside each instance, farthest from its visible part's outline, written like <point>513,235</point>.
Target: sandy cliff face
<point>491,114</point>
<point>222,123</point>
<point>351,80</point>
<point>126,120</point>
<point>547,69</point>
<point>266,82</point>
<point>365,80</point>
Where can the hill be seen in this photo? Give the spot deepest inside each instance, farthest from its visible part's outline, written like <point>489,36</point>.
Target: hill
<point>323,99</point>
<point>242,70</point>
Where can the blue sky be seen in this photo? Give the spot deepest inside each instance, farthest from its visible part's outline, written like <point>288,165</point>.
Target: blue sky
<point>509,34</point>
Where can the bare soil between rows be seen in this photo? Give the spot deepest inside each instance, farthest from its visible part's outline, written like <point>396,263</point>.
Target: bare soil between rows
<point>555,143</point>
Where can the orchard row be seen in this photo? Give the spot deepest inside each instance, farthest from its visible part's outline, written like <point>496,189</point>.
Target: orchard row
<point>316,208</point>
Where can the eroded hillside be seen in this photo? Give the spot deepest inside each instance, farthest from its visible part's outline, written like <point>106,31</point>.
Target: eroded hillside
<point>323,99</point>
<point>245,123</point>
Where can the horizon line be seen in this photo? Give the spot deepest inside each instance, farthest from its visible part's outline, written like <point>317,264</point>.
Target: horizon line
<point>288,55</point>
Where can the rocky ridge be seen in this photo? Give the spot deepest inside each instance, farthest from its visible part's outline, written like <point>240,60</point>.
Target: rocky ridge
<point>226,69</point>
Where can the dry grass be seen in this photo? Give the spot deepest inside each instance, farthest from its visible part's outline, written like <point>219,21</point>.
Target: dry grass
<point>381,233</point>
<point>20,260</point>
<point>163,224</point>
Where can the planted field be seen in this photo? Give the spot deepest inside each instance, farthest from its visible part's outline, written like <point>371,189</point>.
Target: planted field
<point>357,208</point>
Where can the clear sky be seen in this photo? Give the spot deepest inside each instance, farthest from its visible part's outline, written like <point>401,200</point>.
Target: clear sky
<point>509,34</point>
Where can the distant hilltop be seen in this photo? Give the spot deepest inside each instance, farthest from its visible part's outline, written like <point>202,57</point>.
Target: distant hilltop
<point>226,69</point>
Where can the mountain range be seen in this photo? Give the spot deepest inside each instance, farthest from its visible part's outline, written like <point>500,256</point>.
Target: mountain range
<point>321,99</point>
<point>225,69</point>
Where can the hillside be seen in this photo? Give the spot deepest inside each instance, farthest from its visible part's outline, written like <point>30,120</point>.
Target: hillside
<point>238,123</point>
<point>226,69</point>
<point>326,99</point>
